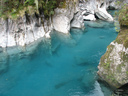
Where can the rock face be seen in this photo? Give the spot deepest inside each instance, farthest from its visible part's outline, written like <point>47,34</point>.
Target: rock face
<point>96,8</point>
<point>116,4</point>
<point>20,32</point>
<point>113,66</point>
<point>61,23</point>
<point>102,13</point>
<point>77,21</point>
<point>28,29</point>
<point>63,17</point>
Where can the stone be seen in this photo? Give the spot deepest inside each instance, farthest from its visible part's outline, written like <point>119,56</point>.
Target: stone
<point>77,21</point>
<point>64,16</point>
<point>102,14</point>
<point>61,23</point>
<point>89,17</point>
<point>113,66</point>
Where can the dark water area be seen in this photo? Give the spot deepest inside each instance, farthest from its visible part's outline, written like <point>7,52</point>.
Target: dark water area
<point>65,65</point>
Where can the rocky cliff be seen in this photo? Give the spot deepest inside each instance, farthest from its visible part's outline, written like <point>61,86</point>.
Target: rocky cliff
<point>28,28</point>
<point>113,67</point>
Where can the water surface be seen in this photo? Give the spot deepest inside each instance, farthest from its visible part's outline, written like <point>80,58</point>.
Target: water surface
<point>66,65</point>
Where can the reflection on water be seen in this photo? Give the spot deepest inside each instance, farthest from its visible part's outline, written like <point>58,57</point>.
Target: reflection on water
<point>64,65</point>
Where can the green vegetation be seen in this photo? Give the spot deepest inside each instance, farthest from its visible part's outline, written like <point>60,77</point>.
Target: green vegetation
<point>15,8</point>
<point>107,65</point>
<point>123,16</point>
<point>127,72</point>
<point>122,37</point>
<point>116,23</point>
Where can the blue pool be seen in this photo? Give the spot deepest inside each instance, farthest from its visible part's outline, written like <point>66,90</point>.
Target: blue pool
<point>64,65</point>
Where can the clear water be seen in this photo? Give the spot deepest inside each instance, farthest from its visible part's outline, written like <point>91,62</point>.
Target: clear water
<point>66,65</point>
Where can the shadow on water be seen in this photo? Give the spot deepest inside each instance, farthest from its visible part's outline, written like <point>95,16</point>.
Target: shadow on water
<point>122,91</point>
<point>61,84</point>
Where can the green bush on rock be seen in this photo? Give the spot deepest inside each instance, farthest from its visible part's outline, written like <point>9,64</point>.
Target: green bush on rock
<point>123,16</point>
<point>15,8</point>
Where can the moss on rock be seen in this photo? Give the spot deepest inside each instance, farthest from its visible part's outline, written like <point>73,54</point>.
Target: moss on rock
<point>123,16</point>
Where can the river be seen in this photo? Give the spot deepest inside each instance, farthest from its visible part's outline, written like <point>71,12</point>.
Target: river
<point>65,65</point>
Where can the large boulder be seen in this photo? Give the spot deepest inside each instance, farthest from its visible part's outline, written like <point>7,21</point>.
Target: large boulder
<point>113,66</point>
<point>101,12</point>
<point>61,23</point>
<point>63,16</point>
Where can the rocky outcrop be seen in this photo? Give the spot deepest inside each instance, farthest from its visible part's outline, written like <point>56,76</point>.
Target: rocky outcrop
<point>95,8</point>
<point>63,17</point>
<point>113,66</point>
<point>22,31</point>
<point>29,28</point>
<point>77,21</point>
<point>102,13</point>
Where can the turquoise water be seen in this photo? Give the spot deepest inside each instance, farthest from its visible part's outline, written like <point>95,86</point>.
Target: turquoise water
<point>66,65</point>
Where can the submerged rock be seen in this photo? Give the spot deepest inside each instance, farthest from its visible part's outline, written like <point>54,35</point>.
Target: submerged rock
<point>4,65</point>
<point>95,24</point>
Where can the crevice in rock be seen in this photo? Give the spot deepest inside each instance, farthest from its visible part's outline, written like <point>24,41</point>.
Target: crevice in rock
<point>122,91</point>
<point>102,4</point>
<point>96,16</point>
<point>27,18</point>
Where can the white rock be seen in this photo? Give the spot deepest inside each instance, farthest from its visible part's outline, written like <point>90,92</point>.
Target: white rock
<point>90,17</point>
<point>61,23</point>
<point>103,14</point>
<point>84,12</point>
<point>11,40</point>
<point>77,21</point>
<point>47,35</point>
